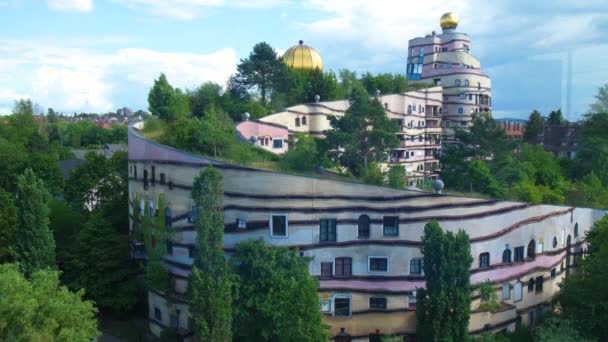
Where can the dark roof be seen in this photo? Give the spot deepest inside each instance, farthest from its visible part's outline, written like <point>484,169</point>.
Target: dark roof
<point>68,165</point>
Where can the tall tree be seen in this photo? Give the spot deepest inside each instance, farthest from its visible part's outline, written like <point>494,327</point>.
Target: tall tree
<point>601,105</point>
<point>260,70</point>
<point>323,84</point>
<point>206,96</point>
<point>211,283</point>
<point>443,306</point>
<point>583,298</point>
<point>556,118</point>
<point>533,126</point>
<point>593,153</point>
<point>163,101</point>
<point>277,297</point>
<point>364,133</point>
<point>218,130</point>
<point>35,244</point>
<point>39,309</point>
<point>8,227</point>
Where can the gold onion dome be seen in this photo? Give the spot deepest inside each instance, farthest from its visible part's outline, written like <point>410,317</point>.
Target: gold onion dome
<point>303,57</point>
<point>449,21</point>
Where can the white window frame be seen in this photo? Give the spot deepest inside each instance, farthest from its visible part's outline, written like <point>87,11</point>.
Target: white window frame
<point>521,291</point>
<point>388,263</point>
<point>350,304</point>
<point>410,265</point>
<point>409,298</point>
<point>286,226</point>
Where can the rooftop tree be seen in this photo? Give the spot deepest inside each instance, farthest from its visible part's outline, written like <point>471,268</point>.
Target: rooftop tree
<point>260,70</point>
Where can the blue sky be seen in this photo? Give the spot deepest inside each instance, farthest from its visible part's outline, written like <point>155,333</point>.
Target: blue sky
<point>99,55</point>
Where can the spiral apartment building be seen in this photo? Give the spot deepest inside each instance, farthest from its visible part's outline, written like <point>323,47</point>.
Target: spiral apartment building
<point>365,241</point>
<point>445,60</point>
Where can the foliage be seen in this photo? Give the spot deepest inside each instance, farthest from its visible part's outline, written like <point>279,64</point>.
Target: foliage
<point>374,175</point>
<point>211,283</point>
<point>260,70</point>
<point>41,310</point>
<point>166,102</point>
<point>386,83</point>
<point>601,105</point>
<point>35,247</point>
<point>556,118</point>
<point>480,179</point>
<point>397,176</point>
<point>489,300</point>
<point>104,249</point>
<point>364,133</point>
<point>533,127</point>
<point>277,297</point>
<point>304,156</point>
<point>155,236</point>
<point>207,96</point>
<point>557,329</point>
<point>593,152</point>
<point>65,223</point>
<point>8,227</point>
<point>218,131</point>
<point>583,299</point>
<point>443,307</point>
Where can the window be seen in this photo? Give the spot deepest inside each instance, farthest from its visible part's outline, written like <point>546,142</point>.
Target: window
<point>342,306</point>
<point>325,305</point>
<point>304,121</point>
<point>193,215</point>
<point>191,252</point>
<point>466,83</point>
<point>484,260</point>
<point>444,49</point>
<point>530,285</point>
<point>377,264</point>
<point>343,267</point>
<point>175,319</point>
<point>390,225</point>
<point>421,51</point>
<point>519,254</point>
<point>576,230</point>
<point>531,250</point>
<point>170,185</point>
<point>553,273</point>
<point>162,179</point>
<point>168,217</point>
<point>297,122</point>
<point>517,292</point>
<point>278,225</point>
<point>169,247</point>
<point>554,241</point>
<point>326,269</point>
<point>539,284</point>
<point>412,299</point>
<point>145,179</point>
<point>277,143</point>
<point>460,110</point>
<point>363,225</point>
<point>327,230</point>
<point>153,175</point>
<point>506,291</point>
<point>377,303</point>
<point>463,96</point>
<point>158,314</point>
<point>506,256</point>
<point>478,85</point>
<point>416,266</point>
<point>135,171</point>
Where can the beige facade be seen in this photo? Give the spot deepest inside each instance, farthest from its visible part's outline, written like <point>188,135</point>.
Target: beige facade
<point>381,258</point>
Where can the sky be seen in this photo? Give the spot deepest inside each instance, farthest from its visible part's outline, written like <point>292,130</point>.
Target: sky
<point>101,55</point>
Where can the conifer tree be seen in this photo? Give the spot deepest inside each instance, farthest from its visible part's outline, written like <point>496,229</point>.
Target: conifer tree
<point>35,243</point>
<point>211,283</point>
<point>443,307</point>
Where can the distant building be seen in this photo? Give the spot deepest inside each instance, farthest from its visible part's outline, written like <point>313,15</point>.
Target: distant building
<point>513,127</point>
<point>124,111</point>
<point>562,140</point>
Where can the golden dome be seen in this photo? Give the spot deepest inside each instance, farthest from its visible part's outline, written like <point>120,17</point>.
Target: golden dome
<point>303,57</point>
<point>449,21</point>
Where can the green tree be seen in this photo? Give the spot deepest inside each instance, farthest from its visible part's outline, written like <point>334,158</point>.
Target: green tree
<point>211,283</point>
<point>583,296</point>
<point>601,105</point>
<point>364,133</point>
<point>163,101</point>
<point>218,131</point>
<point>40,309</point>
<point>304,156</point>
<point>8,227</point>
<point>558,329</point>
<point>65,223</point>
<point>323,84</point>
<point>534,125</point>
<point>348,79</point>
<point>556,118</point>
<point>277,297</point>
<point>35,246</point>
<point>593,152</point>
<point>260,70</point>
<point>100,247</point>
<point>480,179</point>
<point>397,176</point>
<point>443,307</point>
<point>205,97</point>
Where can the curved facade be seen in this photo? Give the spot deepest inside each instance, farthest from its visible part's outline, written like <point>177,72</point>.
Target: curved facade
<point>365,240</point>
<point>445,59</point>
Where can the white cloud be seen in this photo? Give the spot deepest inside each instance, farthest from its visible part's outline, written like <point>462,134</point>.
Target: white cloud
<point>69,79</point>
<point>71,5</point>
<point>190,9</point>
